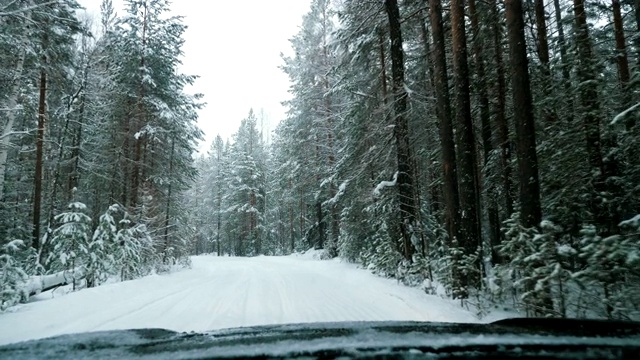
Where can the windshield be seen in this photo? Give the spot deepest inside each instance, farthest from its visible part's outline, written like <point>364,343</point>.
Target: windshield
<point>195,165</point>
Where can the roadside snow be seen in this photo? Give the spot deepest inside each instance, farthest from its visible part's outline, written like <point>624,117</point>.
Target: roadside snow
<point>224,292</point>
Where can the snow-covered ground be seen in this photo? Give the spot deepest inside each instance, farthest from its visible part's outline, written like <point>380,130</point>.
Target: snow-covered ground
<point>223,292</point>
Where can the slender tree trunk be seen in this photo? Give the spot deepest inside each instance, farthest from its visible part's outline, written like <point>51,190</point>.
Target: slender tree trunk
<point>588,93</point>
<point>424,36</point>
<point>543,45</point>
<point>140,116</point>
<point>383,69</point>
<point>167,210</point>
<point>502,133</point>
<point>467,178</point>
<point>443,111</point>
<point>530,211</point>
<point>483,96</point>
<point>485,120</point>
<point>321,231</point>
<point>621,56</point>
<point>405,180</point>
<point>591,117</point>
<point>331,158</point>
<point>37,193</point>
<point>125,159</point>
<point>219,196</point>
<point>5,139</point>
<point>292,238</point>
<point>74,177</point>
<point>301,211</point>
<point>564,60</point>
<point>435,188</point>
<point>543,55</point>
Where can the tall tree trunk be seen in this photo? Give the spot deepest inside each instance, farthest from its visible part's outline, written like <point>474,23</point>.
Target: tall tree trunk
<point>37,192</point>
<point>321,232</point>
<point>292,238</point>
<point>530,211</point>
<point>331,158</point>
<point>219,195</point>
<point>167,209</point>
<point>591,118</point>
<point>435,188</point>
<point>428,66</point>
<point>74,177</point>
<point>405,184</point>
<point>564,60</point>
<point>443,111</point>
<point>500,121</point>
<point>543,44</point>
<point>467,179</point>
<point>483,96</point>
<point>621,56</point>
<point>383,69</point>
<point>301,212</point>
<point>136,178</point>
<point>5,138</point>
<point>485,120</point>
<point>588,89</point>
<point>543,55</point>
<point>126,157</point>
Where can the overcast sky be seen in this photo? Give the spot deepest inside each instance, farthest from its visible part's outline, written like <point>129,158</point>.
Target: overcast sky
<point>234,46</point>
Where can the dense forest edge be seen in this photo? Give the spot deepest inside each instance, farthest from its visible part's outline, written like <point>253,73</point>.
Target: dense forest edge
<point>487,150</point>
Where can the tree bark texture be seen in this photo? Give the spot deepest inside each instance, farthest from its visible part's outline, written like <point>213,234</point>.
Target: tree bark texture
<point>469,234</point>
<point>406,190</point>
<point>530,212</point>
<point>443,111</point>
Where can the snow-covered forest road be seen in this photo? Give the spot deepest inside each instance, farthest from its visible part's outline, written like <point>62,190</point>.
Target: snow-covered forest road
<point>222,292</point>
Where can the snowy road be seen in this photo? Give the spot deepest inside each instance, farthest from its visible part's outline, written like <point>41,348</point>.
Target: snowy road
<point>229,292</point>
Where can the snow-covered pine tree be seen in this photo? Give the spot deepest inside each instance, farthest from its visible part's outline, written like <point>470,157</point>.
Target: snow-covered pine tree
<point>70,241</point>
<point>548,270</point>
<point>101,261</point>
<point>12,276</point>
<point>514,249</point>
<point>245,198</point>
<point>380,248</point>
<point>611,275</point>
<point>134,254</point>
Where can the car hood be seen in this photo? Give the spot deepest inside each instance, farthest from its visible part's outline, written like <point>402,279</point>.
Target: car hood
<point>530,337</point>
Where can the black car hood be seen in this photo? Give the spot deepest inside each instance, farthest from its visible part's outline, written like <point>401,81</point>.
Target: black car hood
<point>522,338</point>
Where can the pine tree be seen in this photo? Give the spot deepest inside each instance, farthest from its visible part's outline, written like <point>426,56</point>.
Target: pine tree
<point>469,233</point>
<point>444,115</point>
<point>12,276</point>
<point>406,174</point>
<point>134,254</point>
<point>246,194</point>
<point>71,240</point>
<point>101,261</point>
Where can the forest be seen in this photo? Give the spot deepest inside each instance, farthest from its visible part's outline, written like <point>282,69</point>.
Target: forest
<point>485,150</point>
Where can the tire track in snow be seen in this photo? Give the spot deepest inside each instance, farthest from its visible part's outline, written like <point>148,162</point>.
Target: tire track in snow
<point>159,306</point>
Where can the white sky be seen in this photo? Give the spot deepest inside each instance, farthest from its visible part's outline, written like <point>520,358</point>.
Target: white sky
<point>234,46</point>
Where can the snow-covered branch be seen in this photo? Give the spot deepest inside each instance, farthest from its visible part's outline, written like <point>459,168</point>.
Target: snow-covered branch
<point>341,190</point>
<point>623,114</point>
<point>28,8</point>
<point>385,184</point>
